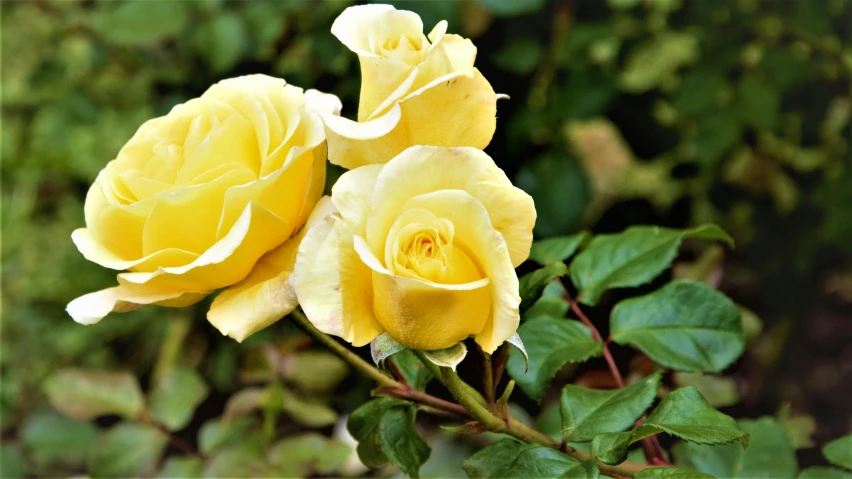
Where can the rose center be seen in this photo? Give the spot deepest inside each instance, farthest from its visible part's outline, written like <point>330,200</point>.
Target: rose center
<point>423,246</point>
<point>402,47</point>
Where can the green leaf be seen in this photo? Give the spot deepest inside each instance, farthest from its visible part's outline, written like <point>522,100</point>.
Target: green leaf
<point>686,414</point>
<point>715,135</point>
<point>584,470</point>
<point>559,248</point>
<point>758,103</point>
<point>670,473</point>
<point>221,41</point>
<point>306,455</point>
<point>698,91</point>
<point>552,303</point>
<point>716,460</point>
<point>53,439</point>
<point>684,325</point>
<point>384,429</point>
<point>412,369</point>
<point>127,449</point>
<point>720,391</point>
<point>81,394</point>
<point>182,467</point>
<point>799,428</point>
<point>824,473</point>
<point>400,442</point>
<point>769,454</point>
<point>510,8</point>
<point>631,258</point>
<point>839,452</point>
<point>175,397</point>
<point>550,343</point>
<point>218,432</point>
<point>308,412</point>
<point>11,462</point>
<point>510,459</point>
<point>531,285</point>
<point>653,61</point>
<point>244,402</point>
<point>316,370</point>
<point>246,458</point>
<point>549,421</point>
<point>611,447</point>
<point>588,412</point>
<point>142,23</point>
<point>363,424</point>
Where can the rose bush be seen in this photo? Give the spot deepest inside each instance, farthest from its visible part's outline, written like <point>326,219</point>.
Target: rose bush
<point>415,90</point>
<point>212,195</point>
<point>423,247</point>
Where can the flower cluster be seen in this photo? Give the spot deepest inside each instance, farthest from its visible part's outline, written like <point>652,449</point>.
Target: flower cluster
<point>419,239</point>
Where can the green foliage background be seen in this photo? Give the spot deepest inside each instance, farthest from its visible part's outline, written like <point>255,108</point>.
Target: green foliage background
<point>622,112</point>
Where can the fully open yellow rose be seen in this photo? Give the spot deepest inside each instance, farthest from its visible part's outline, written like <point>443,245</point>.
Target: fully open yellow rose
<point>415,90</point>
<point>423,247</point>
<point>210,196</point>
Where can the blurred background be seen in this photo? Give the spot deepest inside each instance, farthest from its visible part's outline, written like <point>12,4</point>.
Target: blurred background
<point>622,112</point>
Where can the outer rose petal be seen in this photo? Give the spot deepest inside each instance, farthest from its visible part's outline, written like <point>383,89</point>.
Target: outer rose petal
<point>423,315</point>
<point>425,169</point>
<point>352,26</point>
<point>486,246</point>
<point>351,194</point>
<point>92,307</point>
<point>322,103</point>
<point>264,297</point>
<point>93,250</point>
<point>332,284</point>
<point>359,26</point>
<point>228,261</point>
<point>454,110</point>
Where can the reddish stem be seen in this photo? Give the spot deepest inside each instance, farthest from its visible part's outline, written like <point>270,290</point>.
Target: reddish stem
<point>397,372</point>
<point>650,445</point>
<point>597,335</point>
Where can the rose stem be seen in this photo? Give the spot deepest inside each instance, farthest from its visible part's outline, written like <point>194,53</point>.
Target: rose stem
<point>478,410</point>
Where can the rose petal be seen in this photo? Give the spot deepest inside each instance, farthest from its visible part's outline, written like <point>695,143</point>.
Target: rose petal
<point>487,247</point>
<point>95,251</point>
<point>187,219</point>
<point>332,284</point>
<point>351,194</point>
<point>92,307</point>
<point>454,110</point>
<point>425,315</point>
<point>361,28</point>
<point>284,192</point>
<point>264,297</point>
<point>227,262</point>
<point>322,103</point>
<point>424,169</point>
<point>353,26</point>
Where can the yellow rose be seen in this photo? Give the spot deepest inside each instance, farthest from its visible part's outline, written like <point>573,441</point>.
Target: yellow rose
<point>423,247</point>
<point>210,196</point>
<point>415,90</point>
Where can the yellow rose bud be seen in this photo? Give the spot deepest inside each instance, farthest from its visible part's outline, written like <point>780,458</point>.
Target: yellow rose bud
<point>423,247</point>
<point>415,90</point>
<point>212,195</point>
